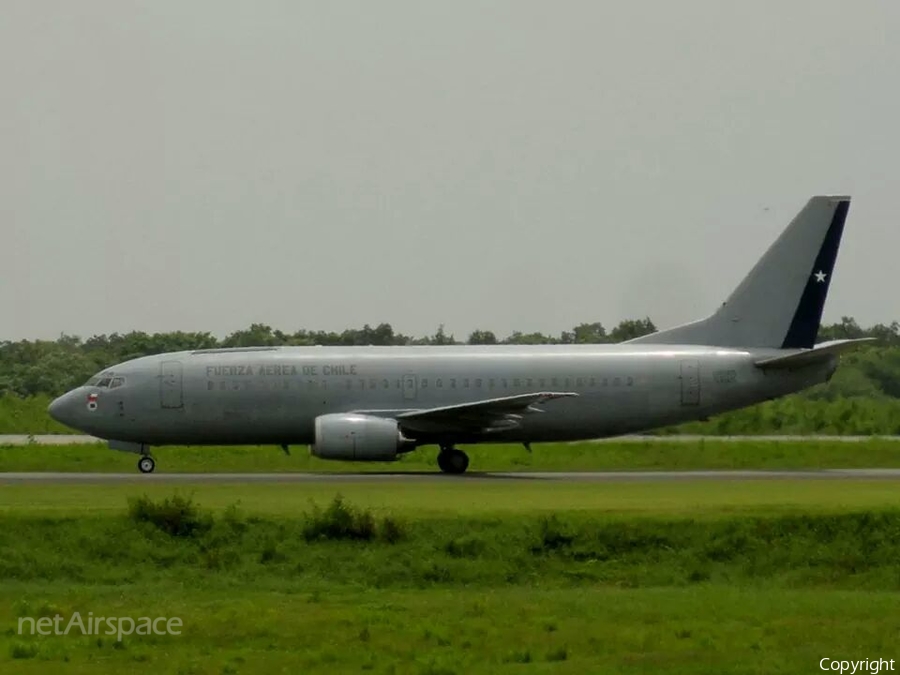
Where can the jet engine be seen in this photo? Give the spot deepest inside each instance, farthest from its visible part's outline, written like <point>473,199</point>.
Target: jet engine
<point>351,436</point>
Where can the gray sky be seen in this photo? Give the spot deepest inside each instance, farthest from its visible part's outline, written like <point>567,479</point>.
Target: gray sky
<point>506,165</point>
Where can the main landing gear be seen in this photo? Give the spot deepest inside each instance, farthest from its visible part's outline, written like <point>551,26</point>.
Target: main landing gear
<point>146,464</point>
<point>451,460</point>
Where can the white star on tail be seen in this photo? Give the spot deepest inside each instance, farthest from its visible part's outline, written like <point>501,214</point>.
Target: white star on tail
<point>820,277</point>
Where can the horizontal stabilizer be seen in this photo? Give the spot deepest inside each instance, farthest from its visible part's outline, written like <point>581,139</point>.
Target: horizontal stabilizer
<point>817,354</point>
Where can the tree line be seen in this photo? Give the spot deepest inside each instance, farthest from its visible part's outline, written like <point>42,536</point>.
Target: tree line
<point>32,367</point>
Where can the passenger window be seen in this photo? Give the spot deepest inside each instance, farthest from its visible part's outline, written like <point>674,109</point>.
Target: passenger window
<point>529,383</point>
<point>543,383</point>
<point>117,382</point>
<point>579,382</point>
<point>617,381</point>
<point>439,383</point>
<point>629,381</point>
<point>466,383</point>
<point>516,383</point>
<point>593,381</point>
<point>424,383</point>
<point>453,383</point>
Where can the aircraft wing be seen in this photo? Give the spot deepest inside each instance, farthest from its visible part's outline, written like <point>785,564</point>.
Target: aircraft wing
<point>807,357</point>
<point>493,414</point>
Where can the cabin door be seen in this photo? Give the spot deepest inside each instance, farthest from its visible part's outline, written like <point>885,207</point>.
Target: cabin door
<point>690,383</point>
<point>409,387</point>
<point>170,385</point>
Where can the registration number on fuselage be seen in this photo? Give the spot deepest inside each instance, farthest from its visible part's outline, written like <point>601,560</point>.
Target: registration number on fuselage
<point>725,376</point>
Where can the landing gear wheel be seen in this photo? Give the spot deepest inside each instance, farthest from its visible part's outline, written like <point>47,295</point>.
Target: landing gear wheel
<point>451,460</point>
<point>146,464</point>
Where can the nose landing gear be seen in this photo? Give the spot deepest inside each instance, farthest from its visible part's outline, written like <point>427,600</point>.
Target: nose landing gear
<point>451,460</point>
<point>146,464</point>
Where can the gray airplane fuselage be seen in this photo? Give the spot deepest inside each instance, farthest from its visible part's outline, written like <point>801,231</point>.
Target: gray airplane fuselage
<point>274,395</point>
<point>374,403</point>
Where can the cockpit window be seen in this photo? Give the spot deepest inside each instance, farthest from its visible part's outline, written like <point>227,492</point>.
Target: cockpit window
<point>106,379</point>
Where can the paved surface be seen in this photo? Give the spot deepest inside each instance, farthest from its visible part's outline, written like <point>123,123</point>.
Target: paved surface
<point>399,477</point>
<point>62,439</point>
<point>46,439</point>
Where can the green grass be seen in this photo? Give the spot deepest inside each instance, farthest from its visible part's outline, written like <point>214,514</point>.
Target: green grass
<point>447,575</point>
<point>346,545</point>
<point>702,629</point>
<point>446,497</point>
<point>610,455</point>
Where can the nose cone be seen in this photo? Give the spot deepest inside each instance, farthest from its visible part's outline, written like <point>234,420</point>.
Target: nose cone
<point>62,409</point>
<point>55,408</point>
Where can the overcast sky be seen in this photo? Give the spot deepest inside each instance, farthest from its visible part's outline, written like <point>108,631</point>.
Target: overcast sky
<point>203,165</point>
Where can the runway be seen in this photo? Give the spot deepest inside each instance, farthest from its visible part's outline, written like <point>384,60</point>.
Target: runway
<point>406,477</point>
<point>47,439</point>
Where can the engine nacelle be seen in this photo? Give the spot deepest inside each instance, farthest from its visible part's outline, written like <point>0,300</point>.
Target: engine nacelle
<point>350,436</point>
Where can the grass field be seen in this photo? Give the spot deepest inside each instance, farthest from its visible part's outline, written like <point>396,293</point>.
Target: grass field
<point>455,576</point>
<point>610,455</point>
<point>449,497</point>
<point>703,629</point>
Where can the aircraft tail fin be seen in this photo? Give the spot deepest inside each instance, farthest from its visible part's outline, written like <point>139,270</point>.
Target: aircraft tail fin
<point>779,303</point>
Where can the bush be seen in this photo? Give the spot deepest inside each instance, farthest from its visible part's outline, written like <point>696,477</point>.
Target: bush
<point>176,516</point>
<point>270,554</point>
<point>558,654</point>
<point>551,536</point>
<point>23,650</point>
<point>464,547</point>
<point>392,530</point>
<point>339,521</point>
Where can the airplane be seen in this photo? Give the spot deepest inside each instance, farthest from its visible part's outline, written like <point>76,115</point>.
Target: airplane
<point>376,403</point>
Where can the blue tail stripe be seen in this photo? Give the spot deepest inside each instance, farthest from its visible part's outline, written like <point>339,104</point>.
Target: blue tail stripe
<point>805,324</point>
